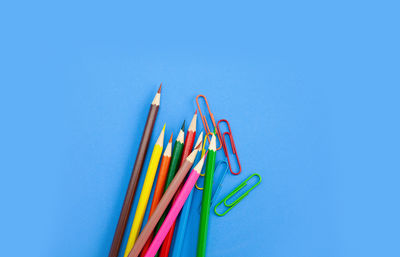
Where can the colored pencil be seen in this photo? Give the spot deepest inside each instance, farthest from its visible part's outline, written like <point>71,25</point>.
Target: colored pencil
<point>183,220</point>
<point>137,168</point>
<point>206,201</point>
<point>175,209</point>
<point>145,194</point>
<point>191,135</point>
<point>163,204</point>
<point>174,164</point>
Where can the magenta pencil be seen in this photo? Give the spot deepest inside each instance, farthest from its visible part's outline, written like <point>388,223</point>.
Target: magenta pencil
<point>175,209</point>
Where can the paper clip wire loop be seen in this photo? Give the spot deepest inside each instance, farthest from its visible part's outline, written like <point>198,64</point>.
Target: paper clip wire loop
<point>203,151</point>
<point>224,145</point>
<point>204,120</point>
<point>234,203</point>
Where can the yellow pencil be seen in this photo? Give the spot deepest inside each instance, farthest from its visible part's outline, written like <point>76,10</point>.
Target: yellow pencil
<point>145,194</point>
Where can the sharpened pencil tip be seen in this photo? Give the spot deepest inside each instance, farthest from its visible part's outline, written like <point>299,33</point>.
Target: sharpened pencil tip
<point>212,145</point>
<point>198,146</point>
<point>156,99</point>
<point>192,126</point>
<point>164,126</point>
<point>159,89</point>
<point>183,126</point>
<point>160,139</point>
<point>195,112</point>
<point>170,139</point>
<point>199,141</point>
<point>200,164</point>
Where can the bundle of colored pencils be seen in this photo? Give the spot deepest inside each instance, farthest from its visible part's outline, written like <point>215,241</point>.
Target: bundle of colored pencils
<point>172,193</point>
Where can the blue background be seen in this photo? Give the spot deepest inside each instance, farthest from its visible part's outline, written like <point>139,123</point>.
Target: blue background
<point>310,89</point>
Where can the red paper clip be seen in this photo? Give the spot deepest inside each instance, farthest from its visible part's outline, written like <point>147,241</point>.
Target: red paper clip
<point>204,120</point>
<point>229,133</point>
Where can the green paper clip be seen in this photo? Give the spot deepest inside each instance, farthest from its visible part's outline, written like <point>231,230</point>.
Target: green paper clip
<point>233,204</point>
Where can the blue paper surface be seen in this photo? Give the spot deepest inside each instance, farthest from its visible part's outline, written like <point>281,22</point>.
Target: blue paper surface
<point>310,89</point>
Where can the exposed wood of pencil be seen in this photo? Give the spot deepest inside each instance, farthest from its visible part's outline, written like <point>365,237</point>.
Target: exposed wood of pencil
<point>191,135</point>
<point>181,135</point>
<point>159,190</point>
<point>163,204</point>
<point>213,144</point>
<point>137,168</point>
<point>200,141</point>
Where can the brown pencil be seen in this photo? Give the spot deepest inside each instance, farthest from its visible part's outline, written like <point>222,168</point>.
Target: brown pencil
<point>137,168</point>
<point>163,204</point>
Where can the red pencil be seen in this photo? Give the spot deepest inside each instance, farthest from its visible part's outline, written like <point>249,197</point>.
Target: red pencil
<point>186,151</point>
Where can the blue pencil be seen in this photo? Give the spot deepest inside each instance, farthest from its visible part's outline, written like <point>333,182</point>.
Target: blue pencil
<point>181,228</point>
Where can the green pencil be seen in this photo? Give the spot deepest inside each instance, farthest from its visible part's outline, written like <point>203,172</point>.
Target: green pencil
<point>173,167</point>
<point>206,202</point>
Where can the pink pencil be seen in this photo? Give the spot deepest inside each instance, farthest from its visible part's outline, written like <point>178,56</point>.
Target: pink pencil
<point>175,209</point>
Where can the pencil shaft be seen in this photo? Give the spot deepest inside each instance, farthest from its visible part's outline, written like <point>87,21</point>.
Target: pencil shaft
<point>181,227</point>
<point>172,214</point>
<point>162,205</point>
<point>205,205</point>
<point>144,197</point>
<point>137,168</point>
<point>159,190</point>
<point>164,252</point>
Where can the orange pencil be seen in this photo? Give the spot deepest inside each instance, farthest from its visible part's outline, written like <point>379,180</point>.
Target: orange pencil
<point>159,190</point>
